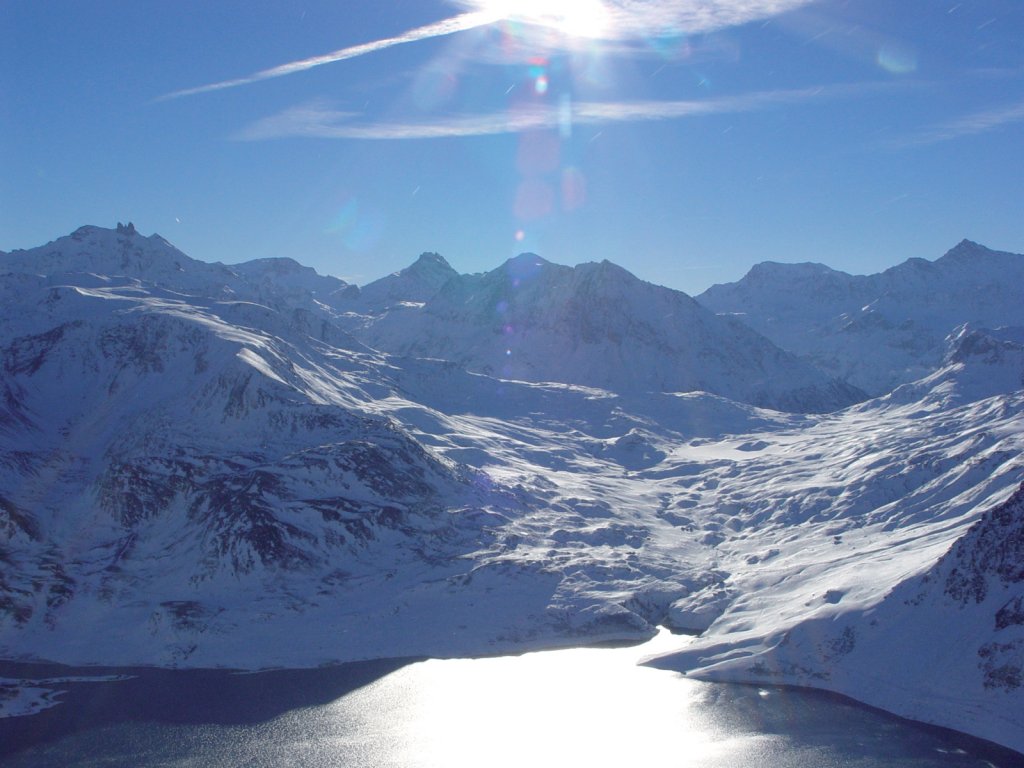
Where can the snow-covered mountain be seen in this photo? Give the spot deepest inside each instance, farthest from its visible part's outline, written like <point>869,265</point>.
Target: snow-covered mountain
<point>877,331</point>
<point>124,253</point>
<point>197,476</point>
<point>410,287</point>
<point>597,325</point>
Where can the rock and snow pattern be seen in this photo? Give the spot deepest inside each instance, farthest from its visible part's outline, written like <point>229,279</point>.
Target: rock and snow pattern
<point>256,465</point>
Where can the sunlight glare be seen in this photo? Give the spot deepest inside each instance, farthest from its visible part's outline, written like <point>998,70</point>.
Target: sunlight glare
<point>574,18</point>
<point>553,708</point>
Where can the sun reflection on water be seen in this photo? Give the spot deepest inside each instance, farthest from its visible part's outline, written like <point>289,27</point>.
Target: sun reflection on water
<point>590,707</point>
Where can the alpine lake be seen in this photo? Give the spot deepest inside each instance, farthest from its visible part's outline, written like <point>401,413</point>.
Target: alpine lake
<point>590,707</point>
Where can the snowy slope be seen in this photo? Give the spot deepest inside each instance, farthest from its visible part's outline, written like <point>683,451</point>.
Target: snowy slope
<point>187,478</point>
<point>945,646</point>
<point>877,331</point>
<point>598,325</point>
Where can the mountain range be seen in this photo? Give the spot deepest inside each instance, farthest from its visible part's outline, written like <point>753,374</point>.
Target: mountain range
<point>877,331</point>
<point>254,465</point>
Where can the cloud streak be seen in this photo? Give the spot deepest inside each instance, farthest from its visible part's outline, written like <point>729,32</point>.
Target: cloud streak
<point>969,125</point>
<point>623,20</point>
<point>460,23</point>
<point>319,120</point>
<point>637,19</point>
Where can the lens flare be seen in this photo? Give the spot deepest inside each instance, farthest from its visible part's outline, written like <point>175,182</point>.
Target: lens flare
<point>535,199</point>
<point>359,227</point>
<point>896,59</point>
<point>574,189</point>
<point>538,153</point>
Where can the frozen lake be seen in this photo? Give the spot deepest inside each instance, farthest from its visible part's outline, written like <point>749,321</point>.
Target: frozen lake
<point>581,707</point>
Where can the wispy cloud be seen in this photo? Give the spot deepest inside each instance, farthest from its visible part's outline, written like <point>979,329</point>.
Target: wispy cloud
<point>320,120</point>
<point>969,125</point>
<point>459,23</point>
<point>622,20</point>
<point>625,19</point>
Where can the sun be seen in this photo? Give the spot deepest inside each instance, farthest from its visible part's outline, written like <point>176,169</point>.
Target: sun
<point>573,18</point>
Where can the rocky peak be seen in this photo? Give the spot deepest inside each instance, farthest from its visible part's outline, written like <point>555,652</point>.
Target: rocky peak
<point>524,266</point>
<point>431,268</point>
<point>431,260</point>
<point>966,249</point>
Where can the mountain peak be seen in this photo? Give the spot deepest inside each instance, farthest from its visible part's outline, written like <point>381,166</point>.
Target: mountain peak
<point>85,231</point>
<point>606,272</point>
<point>775,270</point>
<point>431,259</point>
<point>527,258</point>
<point>524,266</point>
<point>273,265</point>
<point>606,267</point>
<point>965,249</point>
<point>429,266</point>
<point>965,243</point>
<point>102,235</point>
<point>416,283</point>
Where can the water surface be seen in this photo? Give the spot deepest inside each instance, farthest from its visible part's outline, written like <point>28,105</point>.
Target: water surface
<point>582,707</point>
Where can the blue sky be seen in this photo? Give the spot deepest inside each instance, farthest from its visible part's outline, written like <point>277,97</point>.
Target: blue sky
<point>684,140</point>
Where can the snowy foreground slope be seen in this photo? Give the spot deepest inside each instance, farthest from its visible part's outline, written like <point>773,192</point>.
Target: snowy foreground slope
<point>940,647</point>
<point>205,468</point>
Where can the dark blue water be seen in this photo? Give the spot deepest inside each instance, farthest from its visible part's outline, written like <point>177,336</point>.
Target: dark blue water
<point>582,707</point>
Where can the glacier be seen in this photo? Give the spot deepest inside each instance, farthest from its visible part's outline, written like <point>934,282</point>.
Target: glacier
<point>254,465</point>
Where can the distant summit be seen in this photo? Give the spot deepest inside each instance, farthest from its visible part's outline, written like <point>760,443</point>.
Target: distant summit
<point>125,253</point>
<point>429,260</point>
<point>883,330</point>
<point>594,324</point>
<point>967,248</point>
<point>415,284</point>
<point>115,252</point>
